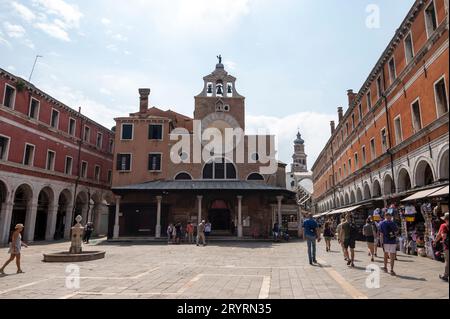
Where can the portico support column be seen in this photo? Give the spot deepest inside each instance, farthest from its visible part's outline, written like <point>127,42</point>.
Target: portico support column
<point>199,202</point>
<point>279,199</point>
<point>239,230</point>
<point>116,220</point>
<point>158,217</point>
<point>5,221</point>
<point>51,222</point>
<point>30,220</point>
<point>68,221</point>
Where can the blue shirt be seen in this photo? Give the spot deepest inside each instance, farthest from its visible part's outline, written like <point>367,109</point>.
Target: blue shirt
<point>387,227</point>
<point>310,227</point>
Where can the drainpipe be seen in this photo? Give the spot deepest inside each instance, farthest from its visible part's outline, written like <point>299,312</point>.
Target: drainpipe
<point>389,132</point>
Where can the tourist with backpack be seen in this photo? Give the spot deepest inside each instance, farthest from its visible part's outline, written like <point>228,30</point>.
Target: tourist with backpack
<point>389,229</point>
<point>328,234</point>
<point>349,234</point>
<point>370,233</point>
<point>443,235</point>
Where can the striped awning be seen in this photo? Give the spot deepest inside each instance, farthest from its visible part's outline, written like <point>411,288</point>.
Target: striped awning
<point>344,210</point>
<point>424,193</point>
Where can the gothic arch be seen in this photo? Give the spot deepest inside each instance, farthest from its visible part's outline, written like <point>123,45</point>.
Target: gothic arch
<point>376,189</point>
<point>359,196</point>
<point>403,180</point>
<point>443,164</point>
<point>367,193</point>
<point>423,172</point>
<point>352,197</point>
<point>388,185</point>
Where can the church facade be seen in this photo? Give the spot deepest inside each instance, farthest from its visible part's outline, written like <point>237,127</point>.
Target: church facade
<point>173,168</point>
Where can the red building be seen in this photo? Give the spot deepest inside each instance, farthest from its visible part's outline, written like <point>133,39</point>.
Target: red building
<point>54,164</point>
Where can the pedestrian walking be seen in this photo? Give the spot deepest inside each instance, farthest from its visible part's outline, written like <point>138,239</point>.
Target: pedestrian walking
<point>276,232</point>
<point>15,249</point>
<point>311,233</point>
<point>340,236</point>
<point>389,231</point>
<point>369,232</point>
<point>443,235</point>
<point>190,233</point>
<point>89,228</point>
<point>328,234</point>
<point>207,230</point>
<point>169,233</point>
<point>178,230</point>
<point>201,233</point>
<point>349,233</point>
<point>174,234</point>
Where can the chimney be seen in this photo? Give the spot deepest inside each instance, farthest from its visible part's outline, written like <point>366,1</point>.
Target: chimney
<point>340,114</point>
<point>143,104</point>
<point>333,127</point>
<point>351,97</point>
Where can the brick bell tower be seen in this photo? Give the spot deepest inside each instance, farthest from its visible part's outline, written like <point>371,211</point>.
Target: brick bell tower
<point>299,164</point>
<point>219,104</point>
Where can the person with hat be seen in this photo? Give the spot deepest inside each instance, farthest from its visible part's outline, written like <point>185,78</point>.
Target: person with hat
<point>389,229</point>
<point>14,249</point>
<point>443,235</point>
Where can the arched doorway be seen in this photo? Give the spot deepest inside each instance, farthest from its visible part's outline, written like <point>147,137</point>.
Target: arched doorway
<point>347,199</point>
<point>63,203</point>
<point>22,203</point>
<point>376,189</point>
<point>219,215</point>
<point>424,174</point>
<point>367,192</point>
<point>359,197</point>
<point>403,180</point>
<point>352,197</point>
<point>81,207</point>
<point>388,186</point>
<point>45,199</point>
<point>443,167</point>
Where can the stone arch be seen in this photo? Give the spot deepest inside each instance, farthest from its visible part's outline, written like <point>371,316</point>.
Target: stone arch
<point>359,196</point>
<point>43,222</point>
<point>63,213</point>
<point>388,185</point>
<point>81,206</point>
<point>22,200</point>
<point>212,169</point>
<point>376,189</point>
<point>346,199</point>
<point>443,164</point>
<point>366,192</point>
<point>352,197</point>
<point>183,176</point>
<point>342,200</point>
<point>255,177</point>
<point>338,202</point>
<point>403,180</point>
<point>423,173</point>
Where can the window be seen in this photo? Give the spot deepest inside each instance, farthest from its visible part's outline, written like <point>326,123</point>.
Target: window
<point>349,166</point>
<point>55,119</point>
<point>369,100</point>
<point>123,162</point>
<point>219,169</point>
<point>97,173</point>
<point>346,128</point>
<point>373,152</point>
<point>127,132</point>
<point>255,177</point>
<point>155,132</point>
<point>440,94</point>
<point>340,173</point>
<point>87,134</point>
<point>154,162</point>
<point>356,161</point>
<point>379,88</point>
<point>392,71</point>
<point>409,49</point>
<point>99,141</point>
<point>72,124</point>
<point>360,112</point>
<point>398,130</point>
<point>111,145</point>
<point>68,165</point>
<point>416,117</point>
<point>9,98</point>
<point>430,19</point>
<point>50,164</point>
<point>34,109</point>
<point>109,177</point>
<point>353,121</point>
<point>345,170</point>
<point>383,140</point>
<point>183,176</point>
<point>84,169</point>
<point>4,145</point>
<point>28,156</point>
<point>363,152</point>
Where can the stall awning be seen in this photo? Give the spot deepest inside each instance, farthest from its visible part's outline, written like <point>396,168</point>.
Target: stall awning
<point>321,214</point>
<point>344,210</point>
<point>441,192</point>
<point>422,194</point>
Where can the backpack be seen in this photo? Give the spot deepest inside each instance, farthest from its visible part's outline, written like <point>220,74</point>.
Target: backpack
<point>353,230</point>
<point>368,230</point>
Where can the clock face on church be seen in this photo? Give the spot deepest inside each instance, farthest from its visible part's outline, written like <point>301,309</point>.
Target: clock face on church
<point>214,130</point>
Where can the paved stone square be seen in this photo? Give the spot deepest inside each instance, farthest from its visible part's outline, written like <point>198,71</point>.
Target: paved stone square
<point>239,270</point>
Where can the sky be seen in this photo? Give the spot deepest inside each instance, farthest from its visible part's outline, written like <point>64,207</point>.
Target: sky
<point>294,60</point>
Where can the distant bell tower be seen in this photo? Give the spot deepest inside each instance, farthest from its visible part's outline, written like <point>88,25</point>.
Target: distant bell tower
<point>299,158</point>
<point>219,104</point>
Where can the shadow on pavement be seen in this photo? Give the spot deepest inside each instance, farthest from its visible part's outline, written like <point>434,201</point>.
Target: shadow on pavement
<point>410,278</point>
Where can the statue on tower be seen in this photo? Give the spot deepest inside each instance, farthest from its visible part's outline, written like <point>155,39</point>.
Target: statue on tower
<point>220,58</point>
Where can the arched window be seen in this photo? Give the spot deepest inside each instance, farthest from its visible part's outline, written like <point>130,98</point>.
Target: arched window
<point>219,169</point>
<point>183,176</point>
<point>257,177</point>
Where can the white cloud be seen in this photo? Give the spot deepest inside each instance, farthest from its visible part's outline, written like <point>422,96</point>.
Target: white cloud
<point>314,127</point>
<point>11,68</point>
<point>112,47</point>
<point>105,21</point>
<point>14,30</point>
<point>126,52</point>
<point>53,31</point>
<point>23,11</point>
<point>230,65</point>
<point>120,37</point>
<point>29,43</point>
<point>4,41</point>
<point>105,91</point>
<point>70,14</point>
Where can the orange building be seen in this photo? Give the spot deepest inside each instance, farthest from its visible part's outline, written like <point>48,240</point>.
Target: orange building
<point>393,138</point>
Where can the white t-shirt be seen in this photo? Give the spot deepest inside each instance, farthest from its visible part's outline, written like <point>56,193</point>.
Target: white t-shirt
<point>207,228</point>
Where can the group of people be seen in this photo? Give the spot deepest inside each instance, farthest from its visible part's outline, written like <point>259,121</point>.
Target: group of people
<point>176,233</point>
